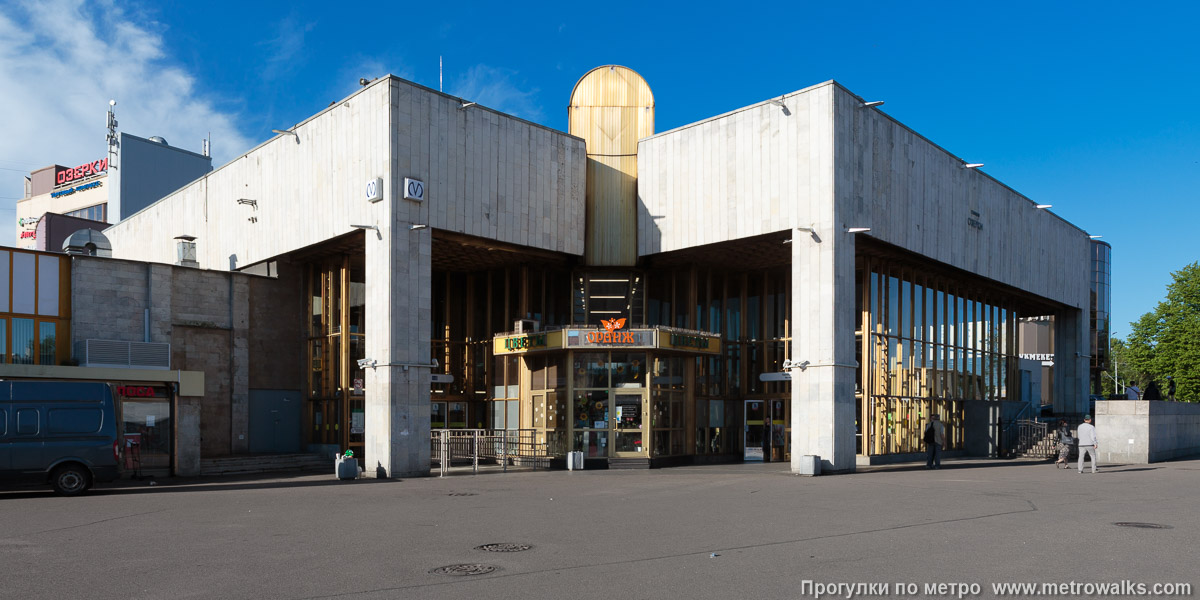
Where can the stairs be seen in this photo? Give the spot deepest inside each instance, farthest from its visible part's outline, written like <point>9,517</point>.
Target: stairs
<point>265,463</point>
<point>628,463</point>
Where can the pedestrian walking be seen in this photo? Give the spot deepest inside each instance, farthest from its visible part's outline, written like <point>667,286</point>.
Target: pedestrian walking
<point>935,439</point>
<point>1087,442</point>
<point>1170,388</point>
<point>1064,444</point>
<point>1133,392</point>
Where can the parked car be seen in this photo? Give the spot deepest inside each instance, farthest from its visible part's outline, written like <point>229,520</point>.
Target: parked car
<point>65,434</point>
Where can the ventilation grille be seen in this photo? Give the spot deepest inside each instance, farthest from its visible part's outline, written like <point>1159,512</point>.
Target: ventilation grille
<point>123,355</point>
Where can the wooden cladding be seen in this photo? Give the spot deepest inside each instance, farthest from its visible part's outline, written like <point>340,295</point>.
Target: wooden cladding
<point>611,109</point>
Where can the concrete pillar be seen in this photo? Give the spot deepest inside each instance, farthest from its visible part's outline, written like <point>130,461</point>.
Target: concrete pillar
<point>823,317</point>
<point>1072,346</point>
<point>187,436</point>
<point>399,283</point>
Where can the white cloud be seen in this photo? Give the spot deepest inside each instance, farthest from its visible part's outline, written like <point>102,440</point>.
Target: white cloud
<point>60,63</point>
<point>495,88</point>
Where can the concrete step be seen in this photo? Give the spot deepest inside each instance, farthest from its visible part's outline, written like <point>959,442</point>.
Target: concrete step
<point>629,463</point>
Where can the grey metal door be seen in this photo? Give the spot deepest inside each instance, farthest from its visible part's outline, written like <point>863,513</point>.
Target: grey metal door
<point>274,421</point>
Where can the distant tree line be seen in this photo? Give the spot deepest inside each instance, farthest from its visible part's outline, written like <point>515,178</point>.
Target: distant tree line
<point>1164,342</point>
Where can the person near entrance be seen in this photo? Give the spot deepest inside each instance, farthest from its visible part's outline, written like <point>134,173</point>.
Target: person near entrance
<point>935,438</point>
<point>1087,442</point>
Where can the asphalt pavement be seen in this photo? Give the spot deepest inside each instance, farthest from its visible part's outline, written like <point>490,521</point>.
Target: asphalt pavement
<point>730,531</point>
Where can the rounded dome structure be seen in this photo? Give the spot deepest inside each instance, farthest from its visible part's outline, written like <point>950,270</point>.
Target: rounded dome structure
<point>88,242</point>
<point>158,139</point>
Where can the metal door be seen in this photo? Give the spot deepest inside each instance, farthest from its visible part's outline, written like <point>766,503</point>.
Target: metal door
<point>275,421</point>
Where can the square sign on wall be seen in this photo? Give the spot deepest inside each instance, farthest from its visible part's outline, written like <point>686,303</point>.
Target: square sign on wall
<point>414,190</point>
<point>375,190</point>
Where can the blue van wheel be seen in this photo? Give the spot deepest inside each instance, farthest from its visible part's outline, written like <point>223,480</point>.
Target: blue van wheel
<point>71,480</point>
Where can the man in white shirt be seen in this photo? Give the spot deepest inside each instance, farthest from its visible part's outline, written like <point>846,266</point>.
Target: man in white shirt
<point>1087,442</point>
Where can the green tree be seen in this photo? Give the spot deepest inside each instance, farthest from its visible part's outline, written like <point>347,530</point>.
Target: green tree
<point>1166,341</point>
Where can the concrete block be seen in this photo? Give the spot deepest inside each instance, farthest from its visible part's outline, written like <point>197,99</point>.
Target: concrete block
<point>809,465</point>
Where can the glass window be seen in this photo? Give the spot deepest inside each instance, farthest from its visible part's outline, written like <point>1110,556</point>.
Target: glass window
<point>46,345</point>
<point>628,370</point>
<point>591,409</point>
<point>147,434</point>
<point>437,415</point>
<point>47,286</point>
<point>24,284</point>
<point>22,341</point>
<point>4,256</point>
<point>591,370</point>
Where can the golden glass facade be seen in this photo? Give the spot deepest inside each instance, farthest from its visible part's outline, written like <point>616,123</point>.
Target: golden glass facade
<point>927,344</point>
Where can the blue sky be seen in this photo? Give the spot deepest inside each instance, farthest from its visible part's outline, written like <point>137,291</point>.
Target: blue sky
<point>1086,106</point>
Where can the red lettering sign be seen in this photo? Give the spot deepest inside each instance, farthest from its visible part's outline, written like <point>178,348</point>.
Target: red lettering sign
<point>28,234</point>
<point>611,335</point>
<point>137,391</point>
<point>85,170</point>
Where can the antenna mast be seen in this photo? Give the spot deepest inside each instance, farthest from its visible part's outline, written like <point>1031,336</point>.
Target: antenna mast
<point>114,143</point>
<point>439,73</point>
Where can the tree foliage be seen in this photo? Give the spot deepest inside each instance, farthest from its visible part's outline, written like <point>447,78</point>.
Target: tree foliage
<point>1166,341</point>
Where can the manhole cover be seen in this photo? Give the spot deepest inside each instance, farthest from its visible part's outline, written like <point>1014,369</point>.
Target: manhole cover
<point>461,494</point>
<point>474,569</point>
<point>1142,525</point>
<point>504,547</point>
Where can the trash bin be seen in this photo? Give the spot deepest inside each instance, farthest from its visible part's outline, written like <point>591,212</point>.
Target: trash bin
<point>575,461</point>
<point>346,467</point>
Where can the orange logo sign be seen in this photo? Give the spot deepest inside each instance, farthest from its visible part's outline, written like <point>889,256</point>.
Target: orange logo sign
<point>610,335</point>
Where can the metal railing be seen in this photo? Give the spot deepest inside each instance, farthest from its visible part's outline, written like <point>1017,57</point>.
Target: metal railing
<point>1028,437</point>
<point>517,447</point>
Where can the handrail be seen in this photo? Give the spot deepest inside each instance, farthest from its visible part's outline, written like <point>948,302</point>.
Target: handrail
<point>525,447</point>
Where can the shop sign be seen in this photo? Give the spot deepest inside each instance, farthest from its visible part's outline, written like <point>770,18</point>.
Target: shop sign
<point>28,221</point>
<point>80,188</point>
<point>685,341</point>
<point>610,335</point>
<point>140,391</point>
<point>525,342</point>
<point>29,235</point>
<point>542,340</point>
<point>85,170</point>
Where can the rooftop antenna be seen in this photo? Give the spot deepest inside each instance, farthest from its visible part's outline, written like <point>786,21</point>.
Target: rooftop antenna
<point>114,143</point>
<point>439,73</point>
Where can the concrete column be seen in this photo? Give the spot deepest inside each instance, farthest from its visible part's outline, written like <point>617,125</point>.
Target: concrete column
<point>239,353</point>
<point>187,436</point>
<point>823,410</point>
<point>1072,345</point>
<point>399,285</point>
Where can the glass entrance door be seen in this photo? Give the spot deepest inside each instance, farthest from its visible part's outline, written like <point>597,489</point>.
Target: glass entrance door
<point>629,411</point>
<point>756,431</point>
<point>764,434</point>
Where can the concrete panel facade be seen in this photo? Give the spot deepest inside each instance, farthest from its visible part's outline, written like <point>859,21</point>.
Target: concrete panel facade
<point>818,163</point>
<point>1146,431</point>
<point>486,174</point>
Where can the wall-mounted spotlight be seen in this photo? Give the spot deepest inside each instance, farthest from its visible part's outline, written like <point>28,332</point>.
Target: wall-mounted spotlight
<point>779,102</point>
<point>416,226</point>
<point>789,364</point>
<point>1095,237</point>
<point>249,202</point>
<point>465,105</point>
<point>1043,206</point>
<point>971,165</point>
<point>811,230</point>
<point>378,233</point>
<point>857,229</point>
<point>287,132</point>
<point>871,103</point>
